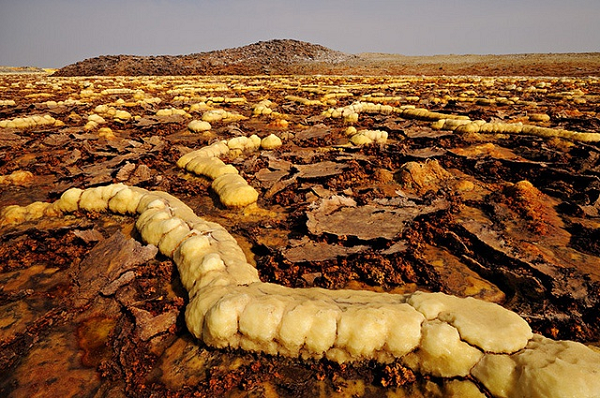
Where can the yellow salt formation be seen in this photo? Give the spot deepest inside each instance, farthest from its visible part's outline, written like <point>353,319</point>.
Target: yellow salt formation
<point>263,108</point>
<point>383,98</point>
<point>118,115</point>
<point>350,113</point>
<point>366,137</point>
<point>121,116</point>
<point>94,121</point>
<point>117,91</point>
<point>424,176</point>
<point>279,124</point>
<point>232,191</point>
<point>172,112</point>
<point>538,117</point>
<point>198,126</point>
<point>480,126</point>
<point>211,167</point>
<point>243,143</point>
<point>19,177</point>
<point>30,122</point>
<point>217,115</point>
<point>16,214</point>
<point>106,132</point>
<point>303,101</point>
<point>432,333</point>
<point>271,142</point>
<point>198,107</point>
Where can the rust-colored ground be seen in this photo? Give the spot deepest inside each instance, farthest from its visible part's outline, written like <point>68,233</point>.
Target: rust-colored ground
<point>85,311</point>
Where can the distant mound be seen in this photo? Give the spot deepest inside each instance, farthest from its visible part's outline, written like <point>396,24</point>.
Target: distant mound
<point>281,56</point>
<point>20,69</point>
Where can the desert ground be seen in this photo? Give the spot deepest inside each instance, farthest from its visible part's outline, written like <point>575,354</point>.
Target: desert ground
<point>289,57</point>
<point>474,186</point>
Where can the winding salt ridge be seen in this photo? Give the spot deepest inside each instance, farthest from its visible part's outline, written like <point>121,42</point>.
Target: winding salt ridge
<point>431,333</point>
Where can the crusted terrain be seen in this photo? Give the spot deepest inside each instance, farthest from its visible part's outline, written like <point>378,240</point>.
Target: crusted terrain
<point>480,187</point>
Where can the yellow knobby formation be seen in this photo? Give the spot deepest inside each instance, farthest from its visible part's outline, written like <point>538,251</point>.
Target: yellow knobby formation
<point>198,126</point>
<point>431,333</point>
<point>19,177</point>
<point>304,101</point>
<point>271,142</point>
<point>216,115</point>
<point>263,108</point>
<point>233,190</point>
<point>118,115</point>
<point>94,121</point>
<point>366,137</point>
<point>480,126</point>
<point>350,113</point>
<point>243,143</point>
<point>30,122</point>
<point>172,112</point>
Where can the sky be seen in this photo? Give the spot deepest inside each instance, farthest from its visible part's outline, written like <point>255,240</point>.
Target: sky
<point>55,33</point>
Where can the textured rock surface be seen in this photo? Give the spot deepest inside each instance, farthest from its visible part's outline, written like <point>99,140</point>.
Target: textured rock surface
<point>507,218</point>
<point>431,333</point>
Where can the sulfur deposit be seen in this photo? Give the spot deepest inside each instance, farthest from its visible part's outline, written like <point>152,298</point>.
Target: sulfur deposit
<point>432,333</point>
<point>30,122</point>
<point>366,137</point>
<point>19,177</point>
<point>94,121</point>
<point>217,115</point>
<point>198,126</point>
<point>233,189</point>
<point>271,142</point>
<point>480,126</point>
<point>172,112</point>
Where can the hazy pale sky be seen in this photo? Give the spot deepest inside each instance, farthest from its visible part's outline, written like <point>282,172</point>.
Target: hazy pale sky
<point>55,33</point>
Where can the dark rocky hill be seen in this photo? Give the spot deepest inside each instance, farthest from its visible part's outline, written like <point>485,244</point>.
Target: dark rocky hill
<point>282,56</point>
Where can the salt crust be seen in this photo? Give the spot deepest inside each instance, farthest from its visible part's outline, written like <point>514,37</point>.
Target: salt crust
<point>480,126</point>
<point>480,323</point>
<point>442,353</point>
<point>233,189</point>
<point>198,126</point>
<point>271,142</point>
<point>431,333</point>
<point>545,368</point>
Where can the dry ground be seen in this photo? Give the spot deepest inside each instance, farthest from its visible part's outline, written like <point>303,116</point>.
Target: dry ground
<point>476,227</point>
<point>285,57</point>
<point>575,64</point>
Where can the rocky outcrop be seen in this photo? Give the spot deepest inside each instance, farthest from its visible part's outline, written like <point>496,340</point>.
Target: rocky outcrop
<point>280,56</point>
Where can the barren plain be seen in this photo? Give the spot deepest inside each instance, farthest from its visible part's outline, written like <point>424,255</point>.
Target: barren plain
<point>478,185</point>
